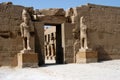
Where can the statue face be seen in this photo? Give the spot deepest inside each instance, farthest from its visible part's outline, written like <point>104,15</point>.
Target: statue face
<point>82,19</point>
<point>25,16</point>
<point>24,12</point>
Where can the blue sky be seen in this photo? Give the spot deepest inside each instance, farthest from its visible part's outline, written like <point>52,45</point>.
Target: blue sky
<point>41,4</point>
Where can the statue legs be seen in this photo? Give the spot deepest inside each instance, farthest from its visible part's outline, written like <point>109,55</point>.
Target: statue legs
<point>28,44</point>
<point>24,43</point>
<point>83,43</point>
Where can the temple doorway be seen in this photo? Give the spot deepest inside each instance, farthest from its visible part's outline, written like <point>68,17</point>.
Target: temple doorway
<point>53,44</point>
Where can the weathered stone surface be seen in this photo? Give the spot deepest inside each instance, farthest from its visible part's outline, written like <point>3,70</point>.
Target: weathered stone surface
<point>39,41</point>
<point>67,42</point>
<point>14,61</point>
<point>52,19</point>
<point>27,60</point>
<point>103,31</point>
<point>10,40</point>
<point>53,12</point>
<point>86,57</point>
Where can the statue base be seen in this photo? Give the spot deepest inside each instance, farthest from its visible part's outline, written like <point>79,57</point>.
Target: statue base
<point>26,51</point>
<point>86,56</point>
<point>27,60</point>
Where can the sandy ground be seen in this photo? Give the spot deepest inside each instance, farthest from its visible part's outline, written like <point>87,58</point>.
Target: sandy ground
<point>107,70</point>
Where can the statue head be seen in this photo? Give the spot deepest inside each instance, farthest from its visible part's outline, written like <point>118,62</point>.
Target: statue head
<point>24,13</point>
<point>82,20</point>
<point>25,16</point>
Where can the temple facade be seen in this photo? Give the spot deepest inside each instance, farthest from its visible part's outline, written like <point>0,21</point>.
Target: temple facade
<point>63,43</point>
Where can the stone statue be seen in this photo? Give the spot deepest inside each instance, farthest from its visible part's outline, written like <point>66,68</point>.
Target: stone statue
<point>25,30</point>
<point>83,33</point>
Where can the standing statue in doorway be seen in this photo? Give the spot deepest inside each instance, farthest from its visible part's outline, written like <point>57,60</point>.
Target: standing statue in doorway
<point>83,33</point>
<point>25,30</point>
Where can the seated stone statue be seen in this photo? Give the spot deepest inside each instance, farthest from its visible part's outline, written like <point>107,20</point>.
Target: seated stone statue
<point>83,33</point>
<point>25,30</point>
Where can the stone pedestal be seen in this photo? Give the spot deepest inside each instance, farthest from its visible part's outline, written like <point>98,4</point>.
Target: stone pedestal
<point>86,56</point>
<point>27,60</point>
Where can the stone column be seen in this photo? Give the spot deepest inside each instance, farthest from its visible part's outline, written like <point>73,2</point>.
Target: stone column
<point>48,52</point>
<point>45,51</point>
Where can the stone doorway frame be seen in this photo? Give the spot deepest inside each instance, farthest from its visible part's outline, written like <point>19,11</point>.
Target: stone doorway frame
<point>59,50</point>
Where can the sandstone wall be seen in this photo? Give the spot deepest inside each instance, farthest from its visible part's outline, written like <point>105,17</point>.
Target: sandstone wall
<point>10,39</point>
<point>67,42</point>
<point>103,29</point>
<point>10,43</point>
<point>39,41</point>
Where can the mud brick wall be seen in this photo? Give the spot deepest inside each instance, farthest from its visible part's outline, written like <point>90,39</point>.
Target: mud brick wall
<point>103,30</point>
<point>10,39</point>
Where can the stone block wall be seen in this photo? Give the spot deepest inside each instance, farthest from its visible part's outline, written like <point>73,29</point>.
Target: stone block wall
<point>10,18</point>
<point>39,41</point>
<point>67,42</point>
<point>105,31</point>
<point>10,39</point>
<point>103,24</point>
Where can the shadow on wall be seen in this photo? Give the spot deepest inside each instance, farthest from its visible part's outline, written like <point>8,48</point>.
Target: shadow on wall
<point>102,54</point>
<point>38,49</point>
